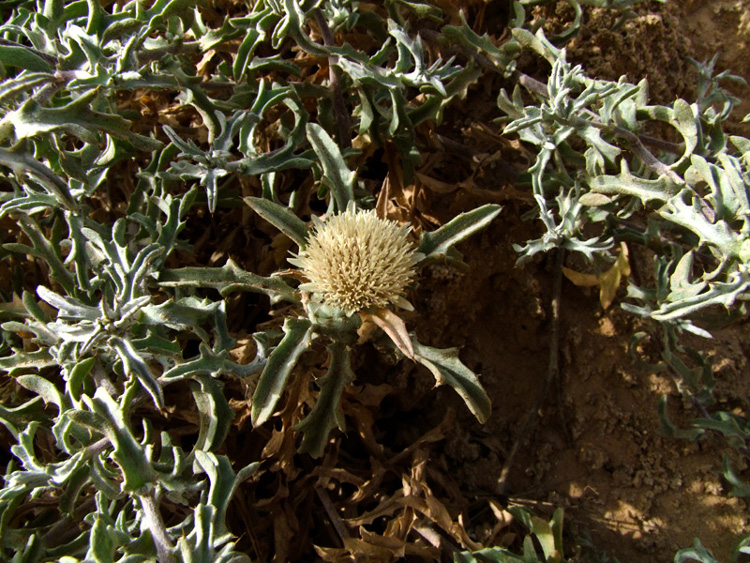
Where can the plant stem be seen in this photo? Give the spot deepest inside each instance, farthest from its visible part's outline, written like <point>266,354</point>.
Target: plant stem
<point>338,524</point>
<point>553,370</point>
<point>339,107</point>
<point>155,525</point>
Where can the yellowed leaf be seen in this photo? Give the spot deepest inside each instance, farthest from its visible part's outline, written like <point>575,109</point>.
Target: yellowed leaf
<point>608,282</point>
<point>592,199</point>
<point>579,279</point>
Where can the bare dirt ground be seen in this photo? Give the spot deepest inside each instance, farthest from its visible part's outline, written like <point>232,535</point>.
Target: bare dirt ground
<point>596,449</point>
<point>657,44</point>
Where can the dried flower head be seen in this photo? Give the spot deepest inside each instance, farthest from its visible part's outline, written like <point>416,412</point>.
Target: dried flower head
<point>356,261</point>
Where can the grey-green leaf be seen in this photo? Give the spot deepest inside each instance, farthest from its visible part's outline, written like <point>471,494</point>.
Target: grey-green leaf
<point>281,362</point>
<point>440,242</point>
<point>214,411</point>
<point>326,414</point>
<point>227,279</point>
<point>24,58</point>
<point>336,174</point>
<point>280,217</point>
<point>448,369</point>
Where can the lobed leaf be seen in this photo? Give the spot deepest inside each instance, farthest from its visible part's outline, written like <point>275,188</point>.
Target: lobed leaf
<point>448,369</point>
<point>228,279</point>
<point>326,413</point>
<point>214,411</point>
<point>440,243</point>
<point>336,174</point>
<point>297,339</point>
<point>282,218</point>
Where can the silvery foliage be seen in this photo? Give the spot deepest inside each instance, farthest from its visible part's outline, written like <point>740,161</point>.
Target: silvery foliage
<point>593,167</point>
<point>93,344</point>
<point>103,332</point>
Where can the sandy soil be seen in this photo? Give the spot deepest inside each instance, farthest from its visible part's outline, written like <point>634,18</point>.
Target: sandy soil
<point>657,44</point>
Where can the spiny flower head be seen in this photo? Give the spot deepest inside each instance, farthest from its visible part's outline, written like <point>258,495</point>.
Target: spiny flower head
<point>356,261</point>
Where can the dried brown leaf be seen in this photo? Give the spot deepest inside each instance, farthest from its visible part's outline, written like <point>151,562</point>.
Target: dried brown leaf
<point>285,532</point>
<point>365,421</point>
<point>394,327</point>
<point>375,543</point>
<point>401,526</point>
<point>438,186</point>
<point>435,511</point>
<point>371,486</point>
<point>387,507</point>
<point>370,395</point>
<point>338,474</point>
<point>334,554</point>
<point>434,435</point>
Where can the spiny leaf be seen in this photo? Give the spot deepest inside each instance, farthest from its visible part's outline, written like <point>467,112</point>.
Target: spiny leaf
<point>448,369</point>
<point>326,413</point>
<point>281,362</point>
<point>214,410</point>
<point>441,242</point>
<point>336,174</point>
<point>77,118</point>
<point>282,218</point>
<point>228,279</point>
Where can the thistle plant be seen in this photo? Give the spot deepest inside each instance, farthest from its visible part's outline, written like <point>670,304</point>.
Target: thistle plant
<point>700,190</point>
<point>598,179</point>
<point>355,267</point>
